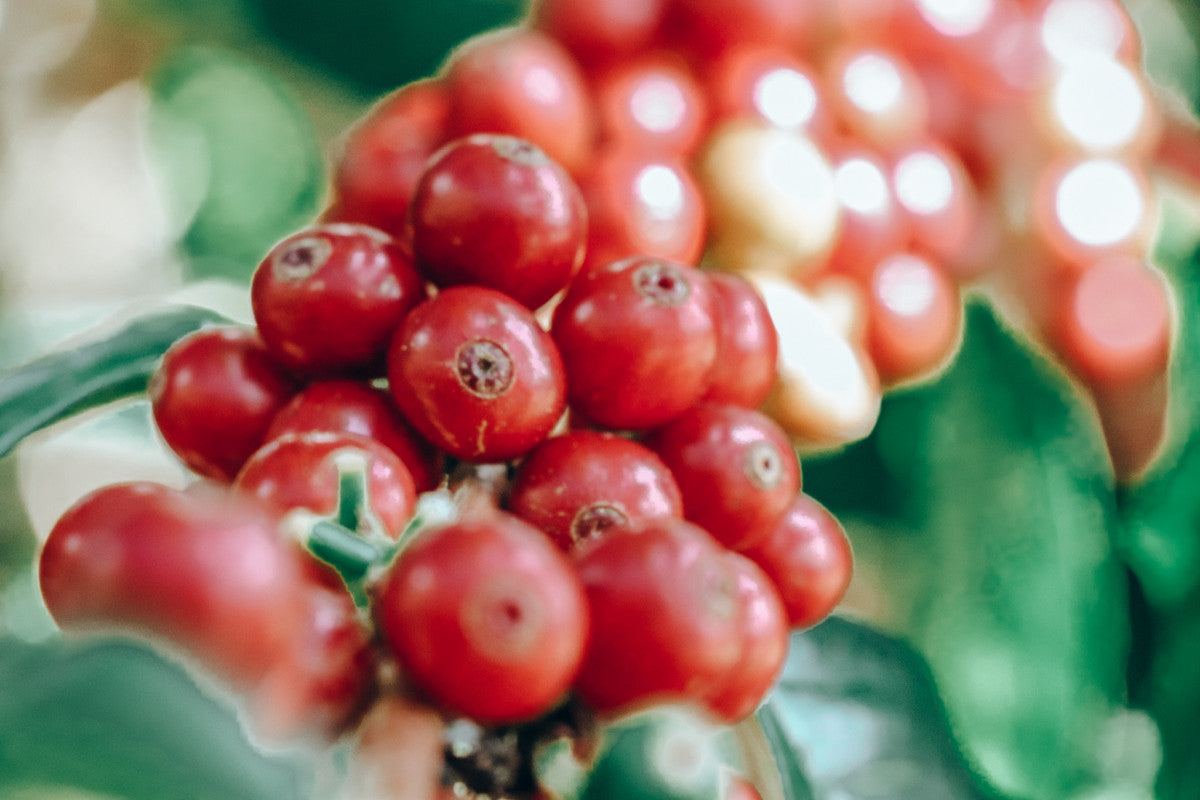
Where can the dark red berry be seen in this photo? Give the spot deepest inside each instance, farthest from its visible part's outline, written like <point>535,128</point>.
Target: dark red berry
<point>494,210</point>
<point>578,485</point>
<point>808,557</point>
<point>471,369</point>
<point>301,470</point>
<point>486,616</point>
<point>327,299</point>
<point>344,406</point>
<point>735,467</point>
<point>214,396</point>
<point>638,340</point>
<point>666,616</point>
<point>747,343</point>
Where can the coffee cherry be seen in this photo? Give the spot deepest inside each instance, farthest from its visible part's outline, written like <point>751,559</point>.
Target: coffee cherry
<point>486,616</point>
<point>327,299</point>
<point>520,82</point>
<point>764,644</point>
<point>747,344</point>
<point>666,616</point>
<point>641,204</point>
<point>578,485</point>
<point>735,468</point>
<point>874,225</point>
<point>495,211</point>
<point>343,406</point>
<point>914,318</point>
<point>638,340</point>
<point>808,557</point>
<point>384,154</point>
<point>599,33</point>
<point>771,85</point>
<point>214,396</point>
<point>301,470</point>
<point>651,104</point>
<point>473,372</point>
<point>877,96</point>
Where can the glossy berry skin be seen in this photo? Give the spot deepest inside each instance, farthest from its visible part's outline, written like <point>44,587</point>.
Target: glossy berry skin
<point>600,33</point>
<point>735,468</point>
<point>207,572</point>
<point>652,103</point>
<point>300,470</point>
<point>576,486</point>
<point>521,82</point>
<point>914,314</point>
<point>747,343</point>
<point>666,616</point>
<point>473,372</point>
<point>345,406</point>
<point>641,204</point>
<point>327,299</point>
<point>764,644</point>
<point>214,396</point>
<point>638,340</point>
<point>808,557</point>
<point>495,211</point>
<point>486,616</point>
<point>772,85</point>
<point>384,154</point>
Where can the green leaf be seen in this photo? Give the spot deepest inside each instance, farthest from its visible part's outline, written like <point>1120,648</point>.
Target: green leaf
<point>855,715</point>
<point>61,384</point>
<point>1171,693</point>
<point>111,717</point>
<point>1014,595</point>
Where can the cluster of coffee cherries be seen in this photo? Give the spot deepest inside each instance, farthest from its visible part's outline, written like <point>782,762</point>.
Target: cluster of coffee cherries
<point>864,161</point>
<point>526,491</point>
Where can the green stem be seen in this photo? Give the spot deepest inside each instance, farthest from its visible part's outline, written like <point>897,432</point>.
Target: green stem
<point>343,549</point>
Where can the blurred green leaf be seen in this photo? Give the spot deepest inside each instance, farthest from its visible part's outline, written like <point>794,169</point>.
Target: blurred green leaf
<point>856,715</point>
<point>111,717</point>
<point>1170,691</point>
<point>239,156</point>
<point>1005,517</point>
<point>61,384</point>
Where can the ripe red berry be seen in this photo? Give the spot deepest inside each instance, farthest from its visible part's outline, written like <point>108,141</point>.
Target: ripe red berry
<point>666,616</point>
<point>772,85</point>
<point>495,211</point>
<point>808,557</point>
<point>327,299</point>
<point>599,33</point>
<point>486,616</point>
<point>214,396</point>
<point>473,372</point>
<point>638,340</point>
<point>523,83</point>
<point>641,204</point>
<point>300,470</point>
<point>344,406</point>
<point>651,104</point>
<point>735,467</point>
<point>747,343</point>
<point>914,317</point>
<point>578,485</point>
<point>764,644</point>
<point>384,155</point>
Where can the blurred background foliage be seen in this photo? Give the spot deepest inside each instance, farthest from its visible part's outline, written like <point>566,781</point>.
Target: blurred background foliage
<point>150,148</point>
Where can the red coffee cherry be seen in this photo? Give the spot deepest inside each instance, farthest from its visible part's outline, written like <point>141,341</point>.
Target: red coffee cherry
<point>914,317</point>
<point>735,467</point>
<point>638,340</point>
<point>651,104</point>
<point>474,373</point>
<point>495,211</point>
<point>344,406</point>
<point>214,396</point>
<point>666,616</point>
<point>599,33</point>
<point>327,299</point>
<point>521,82</point>
<point>300,470</point>
<point>578,485</point>
<point>772,85</point>
<point>641,204</point>
<point>208,573</point>
<point>764,644</point>
<point>384,155</point>
<point>486,616</point>
<point>747,343</point>
<point>808,557</point>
